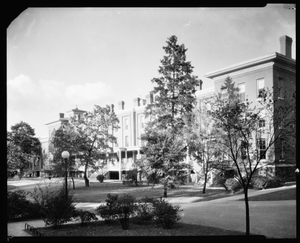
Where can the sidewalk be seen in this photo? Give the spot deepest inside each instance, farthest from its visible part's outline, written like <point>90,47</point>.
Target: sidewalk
<point>188,204</point>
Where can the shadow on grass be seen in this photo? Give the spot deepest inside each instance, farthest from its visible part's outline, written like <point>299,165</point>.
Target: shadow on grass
<point>288,194</point>
<point>97,192</point>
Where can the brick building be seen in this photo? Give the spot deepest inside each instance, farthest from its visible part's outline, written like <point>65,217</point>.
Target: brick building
<point>276,71</point>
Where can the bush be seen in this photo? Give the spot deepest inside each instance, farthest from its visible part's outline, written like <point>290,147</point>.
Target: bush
<point>117,208</point>
<point>55,208</point>
<point>165,213</point>
<point>233,185</point>
<point>262,182</point>
<point>108,212</point>
<point>18,207</point>
<point>125,209</point>
<point>144,210</point>
<point>84,216</point>
<point>100,178</point>
<point>131,175</point>
<point>220,178</point>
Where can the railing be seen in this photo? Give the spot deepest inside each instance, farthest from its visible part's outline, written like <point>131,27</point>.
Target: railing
<point>33,231</point>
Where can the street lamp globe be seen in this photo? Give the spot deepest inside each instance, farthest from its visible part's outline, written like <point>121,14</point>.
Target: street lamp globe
<point>65,155</point>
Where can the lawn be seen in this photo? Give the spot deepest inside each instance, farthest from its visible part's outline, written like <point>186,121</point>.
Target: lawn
<point>288,194</point>
<point>97,192</point>
<point>99,228</point>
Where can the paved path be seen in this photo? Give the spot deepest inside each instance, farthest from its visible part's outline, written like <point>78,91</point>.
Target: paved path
<point>274,219</point>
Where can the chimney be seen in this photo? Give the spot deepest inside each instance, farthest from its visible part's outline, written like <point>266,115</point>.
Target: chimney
<point>61,115</point>
<point>112,107</point>
<point>286,46</point>
<point>121,105</point>
<point>149,98</point>
<point>136,101</point>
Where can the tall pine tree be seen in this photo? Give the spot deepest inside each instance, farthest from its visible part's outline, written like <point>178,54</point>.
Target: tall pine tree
<point>174,98</point>
<point>175,89</point>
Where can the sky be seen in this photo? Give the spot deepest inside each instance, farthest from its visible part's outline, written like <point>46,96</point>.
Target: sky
<point>62,58</point>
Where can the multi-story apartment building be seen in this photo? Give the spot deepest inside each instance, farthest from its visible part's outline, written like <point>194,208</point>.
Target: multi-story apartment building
<point>275,71</point>
<point>52,127</point>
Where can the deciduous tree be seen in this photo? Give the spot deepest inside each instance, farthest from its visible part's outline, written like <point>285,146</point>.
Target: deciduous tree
<point>23,148</point>
<point>239,124</point>
<point>94,132</point>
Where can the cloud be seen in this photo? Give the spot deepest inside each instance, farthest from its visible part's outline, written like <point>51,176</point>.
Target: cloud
<point>23,93</point>
<point>38,102</point>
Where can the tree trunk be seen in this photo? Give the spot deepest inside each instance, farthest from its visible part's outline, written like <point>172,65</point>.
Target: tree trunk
<point>86,180</point>
<point>205,181</point>
<point>247,211</point>
<point>165,190</point>
<point>73,182</point>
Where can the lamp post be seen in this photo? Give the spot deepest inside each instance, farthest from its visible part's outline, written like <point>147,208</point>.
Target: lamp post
<point>65,155</point>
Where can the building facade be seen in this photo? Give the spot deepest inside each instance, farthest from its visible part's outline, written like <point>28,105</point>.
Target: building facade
<point>275,71</point>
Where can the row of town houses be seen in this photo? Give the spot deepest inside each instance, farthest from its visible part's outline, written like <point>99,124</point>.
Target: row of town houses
<point>273,71</point>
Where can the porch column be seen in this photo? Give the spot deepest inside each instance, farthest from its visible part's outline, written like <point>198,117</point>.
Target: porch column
<point>138,156</point>
<point>126,158</point>
<point>120,165</point>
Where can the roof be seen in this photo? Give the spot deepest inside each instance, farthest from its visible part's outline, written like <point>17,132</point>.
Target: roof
<point>250,63</point>
<point>77,110</point>
<point>59,120</point>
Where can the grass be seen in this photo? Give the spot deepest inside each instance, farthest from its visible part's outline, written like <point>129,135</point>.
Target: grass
<point>97,192</point>
<point>288,194</point>
<point>99,228</point>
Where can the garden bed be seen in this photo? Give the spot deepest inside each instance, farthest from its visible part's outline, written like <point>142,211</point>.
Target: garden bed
<point>99,228</point>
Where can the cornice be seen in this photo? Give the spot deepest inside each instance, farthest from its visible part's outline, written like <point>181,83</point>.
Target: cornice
<point>252,64</point>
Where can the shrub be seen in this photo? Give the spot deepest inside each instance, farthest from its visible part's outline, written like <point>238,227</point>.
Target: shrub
<point>108,212</point>
<point>258,182</point>
<point>100,178</point>
<point>16,204</point>
<point>221,177</point>
<point>262,182</point>
<point>144,210</point>
<point>274,182</point>
<point>125,209</point>
<point>131,175</point>
<point>153,179</point>
<point>18,207</point>
<point>84,216</point>
<point>219,180</point>
<point>233,185</point>
<point>55,208</point>
<point>165,213</point>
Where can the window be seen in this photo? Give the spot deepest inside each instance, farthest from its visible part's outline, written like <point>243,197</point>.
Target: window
<point>262,148</point>
<point>242,91</point>
<point>142,125</point>
<point>224,94</point>
<point>280,88</point>
<point>126,123</point>
<point>262,123</point>
<point>282,148</point>
<point>260,87</point>
<point>281,118</point>
<point>126,141</point>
